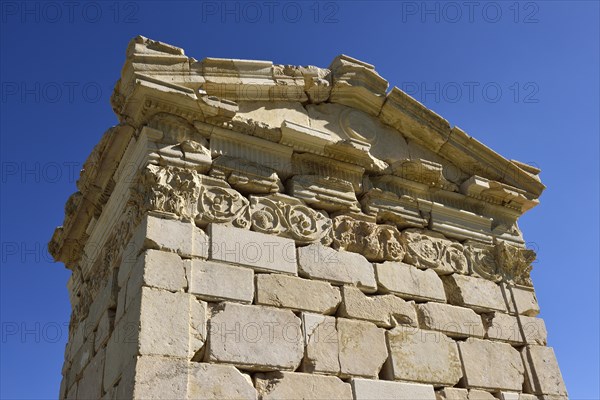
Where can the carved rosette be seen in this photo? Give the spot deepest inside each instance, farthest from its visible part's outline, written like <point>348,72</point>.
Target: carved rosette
<point>482,261</point>
<point>375,242</point>
<point>222,205</point>
<point>430,251</point>
<point>288,217</point>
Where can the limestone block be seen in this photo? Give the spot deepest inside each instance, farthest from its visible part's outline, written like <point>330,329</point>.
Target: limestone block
<point>543,374</point>
<point>476,394</point>
<point>523,298</point>
<point>366,389</point>
<point>218,382</point>
<point>158,269</point>
<point>517,396</point>
<point>90,385</point>
<point>183,238</point>
<point>422,356</point>
<point>122,347</point>
<point>501,326</point>
<point>456,322</point>
<point>254,337</point>
<point>491,365</point>
<point>321,344</point>
<point>104,329</point>
<point>534,330</point>
<point>451,393</point>
<point>339,267</point>
<point>410,282</point>
<point>293,386</point>
<point>72,393</point>
<point>256,250</point>
<point>211,280</point>
<point>476,293</point>
<point>104,300</point>
<point>167,326</point>
<point>384,311</point>
<point>160,378</point>
<point>362,348</point>
<point>296,293</point>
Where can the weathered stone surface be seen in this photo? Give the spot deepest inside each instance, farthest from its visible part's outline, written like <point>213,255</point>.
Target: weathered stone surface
<point>476,293</point>
<point>255,337</point>
<point>384,311</point>
<point>296,293</point>
<point>256,250</point>
<point>501,326</point>
<point>523,298</point>
<point>184,238</point>
<point>410,282</point>
<point>534,330</point>
<point>218,382</point>
<point>212,280</point>
<point>456,322</point>
<point>422,356</point>
<point>292,386</point>
<point>362,348</point>
<point>167,327</point>
<point>543,374</point>
<point>159,269</point>
<point>451,393</point>
<point>339,267</point>
<point>90,385</point>
<point>366,389</point>
<point>321,343</point>
<point>476,394</point>
<point>160,378</point>
<point>491,365</point>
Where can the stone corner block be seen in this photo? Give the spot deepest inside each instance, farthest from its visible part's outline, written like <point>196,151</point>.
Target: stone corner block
<point>543,374</point>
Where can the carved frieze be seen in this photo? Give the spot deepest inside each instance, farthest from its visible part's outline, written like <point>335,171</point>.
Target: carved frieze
<point>433,251</point>
<point>325,193</point>
<point>375,242</point>
<point>246,176</point>
<point>515,263</point>
<point>285,216</point>
<point>222,205</point>
<point>483,261</point>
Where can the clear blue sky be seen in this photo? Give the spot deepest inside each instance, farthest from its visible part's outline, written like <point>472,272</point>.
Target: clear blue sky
<point>520,77</point>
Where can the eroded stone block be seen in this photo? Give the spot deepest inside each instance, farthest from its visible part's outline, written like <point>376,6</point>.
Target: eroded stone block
<point>218,382</point>
<point>524,299</point>
<point>491,365</point>
<point>384,311</point>
<point>321,344</point>
<point>254,337</point>
<point>543,374</point>
<point>296,293</point>
<point>339,267</point>
<point>476,293</point>
<point>501,326</point>
<point>256,250</point>
<point>422,356</point>
<point>293,386</point>
<point>367,389</point>
<point>159,269</point>
<point>410,282</point>
<point>456,322</point>
<point>362,348</point>
<point>212,281</point>
<point>160,378</point>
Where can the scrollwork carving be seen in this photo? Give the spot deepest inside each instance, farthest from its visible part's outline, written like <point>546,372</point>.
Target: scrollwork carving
<point>289,217</point>
<point>483,261</point>
<point>222,205</point>
<point>435,252</point>
<point>375,242</point>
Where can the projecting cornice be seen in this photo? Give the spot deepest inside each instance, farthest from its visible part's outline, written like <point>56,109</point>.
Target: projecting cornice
<point>335,138</point>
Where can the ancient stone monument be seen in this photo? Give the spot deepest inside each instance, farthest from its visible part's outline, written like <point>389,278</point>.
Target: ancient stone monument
<point>252,230</point>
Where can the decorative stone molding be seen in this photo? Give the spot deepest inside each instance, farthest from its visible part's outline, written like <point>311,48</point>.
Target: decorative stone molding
<point>500,262</point>
<point>288,217</point>
<point>433,251</point>
<point>329,194</point>
<point>375,242</point>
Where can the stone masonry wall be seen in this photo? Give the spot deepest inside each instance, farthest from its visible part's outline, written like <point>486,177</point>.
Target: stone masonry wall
<point>234,260</point>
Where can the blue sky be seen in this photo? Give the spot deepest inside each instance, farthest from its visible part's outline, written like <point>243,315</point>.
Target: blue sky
<point>523,78</point>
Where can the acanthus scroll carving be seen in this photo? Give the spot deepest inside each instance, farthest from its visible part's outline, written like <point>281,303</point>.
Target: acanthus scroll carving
<point>515,263</point>
<point>222,205</point>
<point>434,251</point>
<point>285,216</point>
<point>375,242</point>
